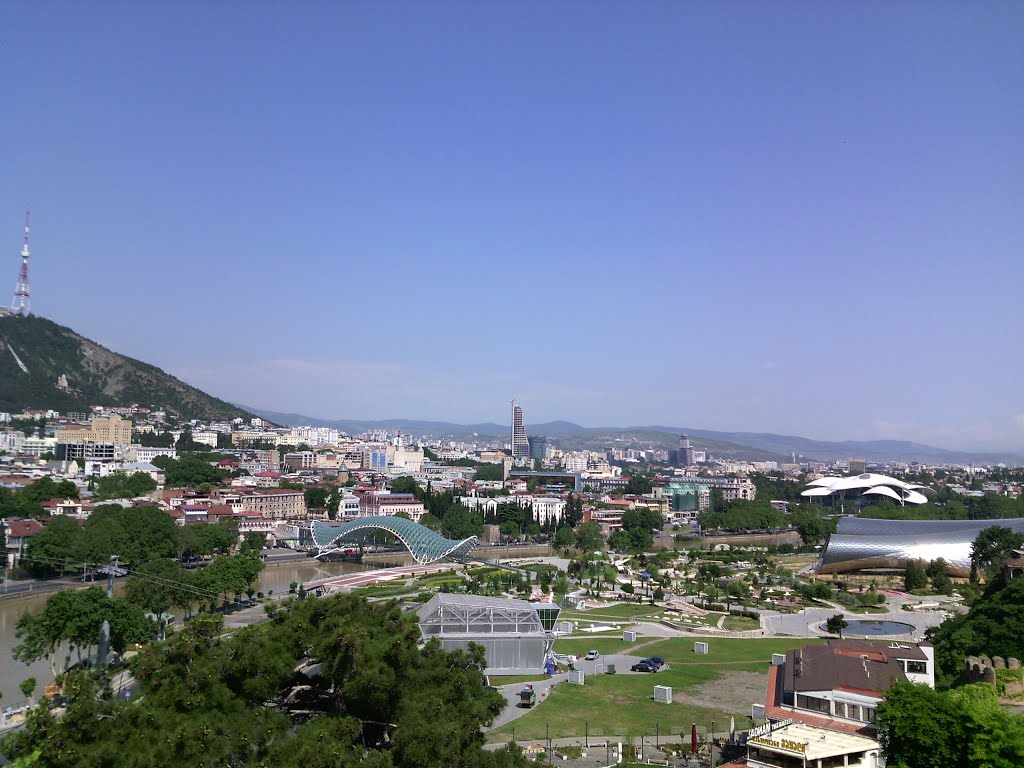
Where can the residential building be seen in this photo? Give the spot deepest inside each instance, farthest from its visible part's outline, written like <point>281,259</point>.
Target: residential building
<point>111,429</point>
<point>275,503</point>
<point>374,502</point>
<point>17,533</point>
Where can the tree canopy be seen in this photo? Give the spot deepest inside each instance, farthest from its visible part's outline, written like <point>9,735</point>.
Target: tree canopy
<point>992,628</point>
<point>374,700</point>
<point>920,727</point>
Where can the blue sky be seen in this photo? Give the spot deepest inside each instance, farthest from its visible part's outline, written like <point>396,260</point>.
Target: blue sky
<point>793,217</point>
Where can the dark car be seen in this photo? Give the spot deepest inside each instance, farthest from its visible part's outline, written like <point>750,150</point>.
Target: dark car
<point>644,666</point>
<point>657,661</point>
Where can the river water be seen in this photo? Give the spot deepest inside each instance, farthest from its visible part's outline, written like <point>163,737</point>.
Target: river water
<point>276,576</point>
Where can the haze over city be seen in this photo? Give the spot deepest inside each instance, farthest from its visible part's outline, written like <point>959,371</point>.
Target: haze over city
<point>797,218</point>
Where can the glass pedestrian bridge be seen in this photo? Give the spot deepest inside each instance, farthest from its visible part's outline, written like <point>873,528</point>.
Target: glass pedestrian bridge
<point>423,544</point>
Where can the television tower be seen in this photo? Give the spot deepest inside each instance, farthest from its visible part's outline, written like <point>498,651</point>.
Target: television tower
<point>20,304</point>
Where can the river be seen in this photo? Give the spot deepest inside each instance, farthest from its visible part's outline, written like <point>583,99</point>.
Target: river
<point>276,576</point>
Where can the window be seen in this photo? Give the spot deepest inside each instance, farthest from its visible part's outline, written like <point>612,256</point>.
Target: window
<point>917,667</point>
<point>854,711</point>
<point>840,708</point>
<point>813,704</point>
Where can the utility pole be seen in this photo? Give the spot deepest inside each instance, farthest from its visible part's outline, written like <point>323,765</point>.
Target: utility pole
<point>105,629</point>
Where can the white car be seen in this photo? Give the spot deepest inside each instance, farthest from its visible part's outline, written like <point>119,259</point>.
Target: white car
<point>592,656</point>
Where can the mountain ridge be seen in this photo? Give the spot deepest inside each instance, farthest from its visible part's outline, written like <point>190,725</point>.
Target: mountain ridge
<point>38,355</point>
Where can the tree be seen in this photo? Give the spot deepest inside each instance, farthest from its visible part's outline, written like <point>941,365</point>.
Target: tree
<point>991,628</point>
<point>316,498</point>
<point>836,624</point>
<point>919,727</point>
<point>938,572</point>
<point>639,485</point>
<point>588,537</point>
<point>460,522</point>
<point>619,541</point>
<point>252,543</point>
<point>564,538</point>
<point>993,547</point>
<point>489,472</point>
<point>406,484</point>
<point>334,502</point>
<point>573,510</point>
<point>914,576</point>
<point>812,527</point>
<point>627,588</point>
<point>27,687</point>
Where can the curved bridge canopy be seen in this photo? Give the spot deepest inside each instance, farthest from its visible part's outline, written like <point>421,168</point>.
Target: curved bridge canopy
<point>423,544</point>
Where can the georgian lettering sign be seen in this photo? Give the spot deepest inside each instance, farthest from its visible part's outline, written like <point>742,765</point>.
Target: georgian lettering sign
<point>790,746</point>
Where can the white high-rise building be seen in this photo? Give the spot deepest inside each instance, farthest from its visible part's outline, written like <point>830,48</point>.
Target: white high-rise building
<point>520,444</point>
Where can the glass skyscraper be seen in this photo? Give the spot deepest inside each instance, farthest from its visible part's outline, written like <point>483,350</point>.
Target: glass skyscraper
<point>520,444</point>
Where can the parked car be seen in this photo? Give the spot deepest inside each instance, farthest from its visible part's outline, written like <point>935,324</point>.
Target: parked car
<point>644,666</point>
<point>656,661</point>
<point>592,656</point>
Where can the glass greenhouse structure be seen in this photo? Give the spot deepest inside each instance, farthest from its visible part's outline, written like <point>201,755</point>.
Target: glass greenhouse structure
<point>516,635</point>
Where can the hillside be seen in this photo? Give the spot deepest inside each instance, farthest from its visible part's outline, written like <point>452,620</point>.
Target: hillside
<point>36,352</point>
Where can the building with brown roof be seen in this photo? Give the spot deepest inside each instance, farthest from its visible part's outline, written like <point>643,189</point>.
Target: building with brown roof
<point>17,533</point>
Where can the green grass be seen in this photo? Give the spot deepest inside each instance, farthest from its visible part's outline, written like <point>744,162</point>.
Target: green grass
<point>613,705</point>
<point>679,651</point>
<point>577,646</point>
<point>499,680</point>
<point>740,623</point>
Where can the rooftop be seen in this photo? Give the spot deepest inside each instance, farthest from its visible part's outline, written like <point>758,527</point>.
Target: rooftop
<point>813,743</point>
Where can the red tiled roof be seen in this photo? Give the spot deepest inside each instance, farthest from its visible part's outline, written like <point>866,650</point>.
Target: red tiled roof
<point>23,528</point>
<point>220,509</point>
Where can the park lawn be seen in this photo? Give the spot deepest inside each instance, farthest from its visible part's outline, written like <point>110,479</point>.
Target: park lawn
<point>724,650</point>
<point>740,623</point>
<point>578,646</point>
<point>613,705</point>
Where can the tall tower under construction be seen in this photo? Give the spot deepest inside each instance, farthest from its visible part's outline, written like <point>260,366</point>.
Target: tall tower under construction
<point>20,304</point>
<point>520,444</point>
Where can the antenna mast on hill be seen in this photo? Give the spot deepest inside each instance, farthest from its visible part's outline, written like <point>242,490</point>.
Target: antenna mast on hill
<point>20,305</point>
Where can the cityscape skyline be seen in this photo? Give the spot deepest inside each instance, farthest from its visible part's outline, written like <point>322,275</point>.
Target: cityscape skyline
<point>812,228</point>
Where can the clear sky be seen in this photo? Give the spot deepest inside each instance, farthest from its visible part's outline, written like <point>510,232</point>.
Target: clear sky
<point>804,218</point>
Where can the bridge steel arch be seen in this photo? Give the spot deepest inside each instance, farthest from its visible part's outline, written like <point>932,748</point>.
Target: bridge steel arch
<point>423,544</point>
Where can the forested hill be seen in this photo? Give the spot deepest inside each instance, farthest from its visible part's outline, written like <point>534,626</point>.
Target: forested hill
<point>35,353</point>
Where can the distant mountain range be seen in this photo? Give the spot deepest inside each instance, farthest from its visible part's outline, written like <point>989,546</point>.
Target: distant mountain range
<point>45,365</point>
<point>752,446</point>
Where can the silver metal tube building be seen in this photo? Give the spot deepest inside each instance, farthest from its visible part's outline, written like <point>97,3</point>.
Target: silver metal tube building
<point>861,543</point>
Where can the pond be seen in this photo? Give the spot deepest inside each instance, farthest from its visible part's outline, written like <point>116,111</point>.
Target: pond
<point>876,628</point>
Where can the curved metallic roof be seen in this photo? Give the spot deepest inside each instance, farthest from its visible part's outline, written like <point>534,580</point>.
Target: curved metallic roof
<point>863,542</point>
<point>423,544</point>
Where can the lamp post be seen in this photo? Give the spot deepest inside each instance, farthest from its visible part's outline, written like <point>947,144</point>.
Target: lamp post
<point>712,744</point>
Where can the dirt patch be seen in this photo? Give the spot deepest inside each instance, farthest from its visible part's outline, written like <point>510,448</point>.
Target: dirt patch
<point>731,691</point>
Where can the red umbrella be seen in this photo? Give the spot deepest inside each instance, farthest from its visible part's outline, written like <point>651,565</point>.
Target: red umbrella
<point>693,738</point>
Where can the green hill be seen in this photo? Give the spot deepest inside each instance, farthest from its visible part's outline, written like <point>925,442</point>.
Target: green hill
<point>35,353</point>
